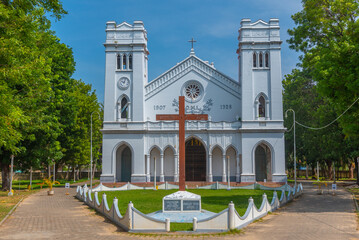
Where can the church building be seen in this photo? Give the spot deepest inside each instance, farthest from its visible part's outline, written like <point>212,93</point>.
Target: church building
<point>244,133</point>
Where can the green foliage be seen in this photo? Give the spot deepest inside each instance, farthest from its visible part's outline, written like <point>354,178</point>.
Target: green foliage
<point>327,33</point>
<point>324,145</point>
<point>44,113</point>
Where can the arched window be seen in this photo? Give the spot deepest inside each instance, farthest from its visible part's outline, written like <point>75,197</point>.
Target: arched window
<point>254,60</point>
<point>118,61</point>
<point>124,108</point>
<point>261,107</point>
<point>130,62</point>
<point>267,60</point>
<point>260,60</point>
<point>124,62</point>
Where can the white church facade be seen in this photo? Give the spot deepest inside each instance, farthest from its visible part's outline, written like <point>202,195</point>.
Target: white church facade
<point>245,116</point>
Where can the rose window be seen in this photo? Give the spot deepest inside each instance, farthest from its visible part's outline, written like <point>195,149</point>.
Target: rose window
<point>193,91</point>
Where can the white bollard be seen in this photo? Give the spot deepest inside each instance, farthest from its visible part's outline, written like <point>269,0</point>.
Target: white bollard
<point>264,198</point>
<point>168,225</point>
<point>251,202</point>
<point>194,224</point>
<point>129,210</point>
<point>231,216</point>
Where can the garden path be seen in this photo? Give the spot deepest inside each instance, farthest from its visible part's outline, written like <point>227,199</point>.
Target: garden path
<point>311,216</point>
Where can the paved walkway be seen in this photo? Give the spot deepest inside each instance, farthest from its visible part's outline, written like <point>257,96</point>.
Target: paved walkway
<point>311,216</point>
<point>61,216</point>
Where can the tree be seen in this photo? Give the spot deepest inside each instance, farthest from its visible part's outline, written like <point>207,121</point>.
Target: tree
<point>325,145</point>
<point>24,74</point>
<point>75,138</point>
<point>45,113</point>
<point>327,33</point>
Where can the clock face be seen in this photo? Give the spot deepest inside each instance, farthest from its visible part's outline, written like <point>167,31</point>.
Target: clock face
<point>123,83</point>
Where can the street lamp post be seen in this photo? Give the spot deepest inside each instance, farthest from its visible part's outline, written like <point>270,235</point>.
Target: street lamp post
<point>295,160</point>
<point>91,148</point>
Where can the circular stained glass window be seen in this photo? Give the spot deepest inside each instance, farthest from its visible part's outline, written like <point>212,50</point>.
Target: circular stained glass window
<point>192,91</point>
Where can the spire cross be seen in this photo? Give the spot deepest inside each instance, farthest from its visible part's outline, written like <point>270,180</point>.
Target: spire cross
<point>192,41</point>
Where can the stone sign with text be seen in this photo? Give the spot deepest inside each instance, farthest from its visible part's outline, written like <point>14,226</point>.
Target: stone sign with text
<point>181,201</point>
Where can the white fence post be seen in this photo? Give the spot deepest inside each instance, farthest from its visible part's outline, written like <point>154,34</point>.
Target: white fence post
<point>168,225</point>
<point>264,198</point>
<point>129,210</point>
<point>194,224</point>
<point>231,216</point>
<point>251,202</point>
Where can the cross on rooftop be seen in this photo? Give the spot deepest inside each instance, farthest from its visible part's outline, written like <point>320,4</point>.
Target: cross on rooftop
<point>192,41</point>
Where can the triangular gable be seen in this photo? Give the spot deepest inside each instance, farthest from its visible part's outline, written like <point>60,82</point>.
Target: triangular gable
<point>192,63</point>
<point>124,26</point>
<point>259,24</point>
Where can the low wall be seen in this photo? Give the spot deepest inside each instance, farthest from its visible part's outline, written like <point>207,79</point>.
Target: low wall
<point>136,221</point>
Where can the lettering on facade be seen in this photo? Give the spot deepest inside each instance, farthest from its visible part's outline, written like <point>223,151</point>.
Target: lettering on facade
<point>195,109</point>
<point>225,106</point>
<point>159,107</point>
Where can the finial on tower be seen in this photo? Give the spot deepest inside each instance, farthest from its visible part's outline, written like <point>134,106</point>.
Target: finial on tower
<point>192,49</point>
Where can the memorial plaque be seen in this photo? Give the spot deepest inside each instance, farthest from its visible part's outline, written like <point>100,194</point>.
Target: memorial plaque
<point>172,205</point>
<point>191,205</point>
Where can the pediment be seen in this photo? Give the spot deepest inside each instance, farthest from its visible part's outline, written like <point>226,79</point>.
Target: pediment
<point>124,26</point>
<point>259,24</point>
<point>195,65</point>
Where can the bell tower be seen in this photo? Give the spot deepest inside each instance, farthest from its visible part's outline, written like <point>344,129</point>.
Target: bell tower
<point>260,76</point>
<point>126,71</point>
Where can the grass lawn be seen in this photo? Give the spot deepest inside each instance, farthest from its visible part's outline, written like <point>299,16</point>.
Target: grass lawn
<point>148,201</point>
<point>7,203</point>
<point>36,184</point>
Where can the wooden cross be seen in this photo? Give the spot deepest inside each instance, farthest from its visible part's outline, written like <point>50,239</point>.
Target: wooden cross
<point>181,117</point>
<point>192,41</point>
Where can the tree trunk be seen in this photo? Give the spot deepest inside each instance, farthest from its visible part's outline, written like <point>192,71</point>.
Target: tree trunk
<point>313,172</point>
<point>330,170</point>
<point>351,170</point>
<point>306,171</point>
<point>78,174</point>
<point>5,175</point>
<point>94,171</point>
<point>73,173</point>
<point>67,173</point>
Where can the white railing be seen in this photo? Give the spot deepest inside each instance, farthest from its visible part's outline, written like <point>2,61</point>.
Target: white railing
<point>172,125</point>
<point>134,220</point>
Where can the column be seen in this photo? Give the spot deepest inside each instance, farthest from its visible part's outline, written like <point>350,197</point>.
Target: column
<point>224,168</point>
<point>176,168</point>
<point>148,168</point>
<point>118,117</point>
<point>210,175</point>
<point>162,176</point>
<point>237,168</point>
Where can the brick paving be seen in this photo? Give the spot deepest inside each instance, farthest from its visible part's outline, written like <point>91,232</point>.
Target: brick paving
<point>62,216</point>
<point>311,216</point>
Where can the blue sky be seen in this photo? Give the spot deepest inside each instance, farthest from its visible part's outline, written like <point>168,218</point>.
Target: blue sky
<point>169,24</point>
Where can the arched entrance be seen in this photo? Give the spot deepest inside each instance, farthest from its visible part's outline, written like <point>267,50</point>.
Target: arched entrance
<point>123,164</point>
<point>195,160</point>
<point>263,163</point>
